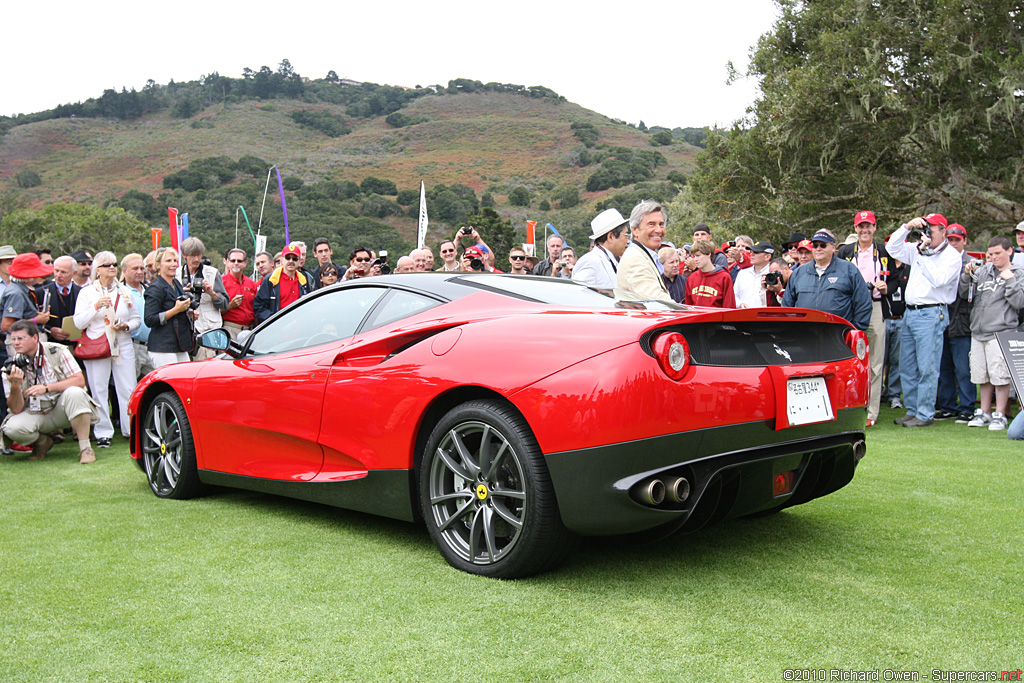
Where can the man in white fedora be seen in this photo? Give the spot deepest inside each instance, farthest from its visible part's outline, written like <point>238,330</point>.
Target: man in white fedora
<point>598,268</point>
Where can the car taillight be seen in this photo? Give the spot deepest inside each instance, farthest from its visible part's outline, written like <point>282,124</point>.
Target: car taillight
<point>858,343</point>
<point>782,484</point>
<point>673,354</point>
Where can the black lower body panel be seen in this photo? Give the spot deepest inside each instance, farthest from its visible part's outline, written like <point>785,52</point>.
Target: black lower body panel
<point>730,471</point>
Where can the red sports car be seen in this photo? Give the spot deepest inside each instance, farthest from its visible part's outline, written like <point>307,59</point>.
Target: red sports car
<point>513,414</point>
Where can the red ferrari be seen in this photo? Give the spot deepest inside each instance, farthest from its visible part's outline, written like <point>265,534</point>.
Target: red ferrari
<point>513,414</point>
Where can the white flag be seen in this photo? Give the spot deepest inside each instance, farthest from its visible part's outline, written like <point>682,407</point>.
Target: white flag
<point>422,229</point>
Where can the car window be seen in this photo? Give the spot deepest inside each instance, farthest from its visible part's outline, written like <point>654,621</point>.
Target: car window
<point>560,292</point>
<point>398,304</point>
<point>325,318</point>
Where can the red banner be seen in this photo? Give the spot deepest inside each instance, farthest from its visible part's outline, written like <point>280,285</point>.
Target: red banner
<point>531,229</point>
<point>172,217</point>
<point>155,232</point>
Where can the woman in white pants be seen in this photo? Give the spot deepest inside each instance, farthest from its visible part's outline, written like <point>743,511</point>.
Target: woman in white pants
<point>105,306</point>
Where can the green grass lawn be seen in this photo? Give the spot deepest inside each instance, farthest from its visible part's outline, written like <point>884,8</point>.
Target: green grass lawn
<point>916,565</point>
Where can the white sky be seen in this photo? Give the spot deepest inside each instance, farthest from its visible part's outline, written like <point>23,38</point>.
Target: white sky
<point>660,62</point>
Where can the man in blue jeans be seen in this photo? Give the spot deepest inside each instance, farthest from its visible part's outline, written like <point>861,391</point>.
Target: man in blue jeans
<point>934,272</point>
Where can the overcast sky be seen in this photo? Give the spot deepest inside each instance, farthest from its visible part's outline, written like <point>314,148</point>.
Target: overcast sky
<point>662,62</point>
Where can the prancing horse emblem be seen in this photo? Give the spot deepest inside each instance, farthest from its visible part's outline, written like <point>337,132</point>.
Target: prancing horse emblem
<point>783,353</point>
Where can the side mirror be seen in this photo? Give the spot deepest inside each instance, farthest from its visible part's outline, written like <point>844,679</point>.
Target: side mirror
<point>218,340</point>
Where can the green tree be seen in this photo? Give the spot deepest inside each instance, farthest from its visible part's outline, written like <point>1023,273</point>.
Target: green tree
<point>662,138</point>
<point>519,196</point>
<point>496,231</point>
<point>899,107</point>
<point>371,185</point>
<point>65,228</point>
<point>28,178</point>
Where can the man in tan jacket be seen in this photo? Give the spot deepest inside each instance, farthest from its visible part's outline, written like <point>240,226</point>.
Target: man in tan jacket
<point>640,271</point>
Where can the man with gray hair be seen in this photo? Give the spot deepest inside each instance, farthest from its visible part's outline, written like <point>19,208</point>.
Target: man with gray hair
<point>640,271</point>
<point>194,274</point>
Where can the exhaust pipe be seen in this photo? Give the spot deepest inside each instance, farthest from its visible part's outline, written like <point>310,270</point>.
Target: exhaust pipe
<point>677,489</point>
<point>650,492</point>
<point>859,450</point>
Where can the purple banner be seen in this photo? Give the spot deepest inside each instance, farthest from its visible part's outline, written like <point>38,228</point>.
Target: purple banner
<point>284,209</point>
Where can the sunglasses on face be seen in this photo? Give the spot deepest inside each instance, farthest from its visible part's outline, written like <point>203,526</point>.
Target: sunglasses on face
<point>236,260</point>
<point>517,257</point>
<point>363,260</point>
<point>107,265</point>
<point>819,245</point>
<point>291,257</point>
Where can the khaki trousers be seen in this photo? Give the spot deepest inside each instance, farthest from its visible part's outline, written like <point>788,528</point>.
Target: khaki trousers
<point>876,355</point>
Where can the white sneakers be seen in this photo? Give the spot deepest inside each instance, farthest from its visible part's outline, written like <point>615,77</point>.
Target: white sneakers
<point>980,419</point>
<point>995,422</point>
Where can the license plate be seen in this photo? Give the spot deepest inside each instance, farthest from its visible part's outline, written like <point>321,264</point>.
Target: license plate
<point>807,401</point>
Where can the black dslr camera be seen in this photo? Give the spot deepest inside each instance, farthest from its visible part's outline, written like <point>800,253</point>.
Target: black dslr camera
<point>195,290</point>
<point>772,278</point>
<point>20,361</point>
<point>916,234</point>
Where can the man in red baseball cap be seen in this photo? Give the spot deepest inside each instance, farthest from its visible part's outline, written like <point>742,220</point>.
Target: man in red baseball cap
<point>282,287</point>
<point>872,260</point>
<point>934,273</point>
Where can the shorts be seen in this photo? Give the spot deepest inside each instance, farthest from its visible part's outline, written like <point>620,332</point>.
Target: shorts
<point>987,364</point>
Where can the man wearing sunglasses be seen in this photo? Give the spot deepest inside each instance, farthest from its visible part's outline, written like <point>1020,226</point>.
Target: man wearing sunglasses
<point>284,286</point>
<point>517,261</point>
<point>830,284</point>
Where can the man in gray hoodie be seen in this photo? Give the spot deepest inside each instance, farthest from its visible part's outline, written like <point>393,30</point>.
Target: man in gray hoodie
<point>996,291</point>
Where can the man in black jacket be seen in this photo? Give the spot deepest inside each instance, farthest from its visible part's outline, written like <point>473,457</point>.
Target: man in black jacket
<point>63,291</point>
<point>955,365</point>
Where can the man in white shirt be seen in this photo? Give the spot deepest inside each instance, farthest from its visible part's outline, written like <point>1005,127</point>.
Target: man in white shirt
<point>749,288</point>
<point>934,273</point>
<point>598,267</point>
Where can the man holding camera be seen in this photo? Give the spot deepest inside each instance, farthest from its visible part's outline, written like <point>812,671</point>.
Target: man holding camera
<point>46,393</point>
<point>996,290</point>
<point>204,283</point>
<point>285,285</point>
<point>934,269</point>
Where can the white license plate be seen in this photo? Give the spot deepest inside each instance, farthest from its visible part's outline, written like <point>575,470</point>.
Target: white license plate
<point>807,401</point>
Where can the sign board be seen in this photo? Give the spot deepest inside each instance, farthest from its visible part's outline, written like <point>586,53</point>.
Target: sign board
<point>1012,345</point>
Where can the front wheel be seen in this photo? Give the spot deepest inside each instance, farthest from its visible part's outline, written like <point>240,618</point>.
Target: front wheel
<point>168,452</point>
<point>486,495</point>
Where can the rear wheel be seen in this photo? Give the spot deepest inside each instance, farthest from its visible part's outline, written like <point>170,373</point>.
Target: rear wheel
<point>168,452</point>
<point>486,495</point>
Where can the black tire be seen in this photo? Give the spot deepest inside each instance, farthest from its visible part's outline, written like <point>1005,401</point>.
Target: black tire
<point>500,521</point>
<point>168,451</point>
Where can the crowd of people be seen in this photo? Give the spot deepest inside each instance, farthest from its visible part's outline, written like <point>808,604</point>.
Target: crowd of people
<point>78,335</point>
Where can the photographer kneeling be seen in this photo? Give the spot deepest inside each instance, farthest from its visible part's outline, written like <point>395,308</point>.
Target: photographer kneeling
<point>46,393</point>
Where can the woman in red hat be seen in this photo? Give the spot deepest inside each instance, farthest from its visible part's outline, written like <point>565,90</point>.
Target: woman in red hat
<point>19,301</point>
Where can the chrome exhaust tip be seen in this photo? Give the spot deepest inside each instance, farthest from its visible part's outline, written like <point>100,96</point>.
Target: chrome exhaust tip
<point>650,492</point>
<point>859,450</point>
<point>677,489</point>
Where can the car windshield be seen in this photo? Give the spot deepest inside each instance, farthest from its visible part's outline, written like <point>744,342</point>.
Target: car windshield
<point>561,292</point>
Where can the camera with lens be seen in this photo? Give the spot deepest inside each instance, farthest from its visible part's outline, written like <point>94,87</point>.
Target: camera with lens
<point>382,261</point>
<point>467,230</point>
<point>195,290</point>
<point>731,243</point>
<point>772,278</point>
<point>476,264</point>
<point>917,233</point>
<point>976,263</point>
<point>20,361</point>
